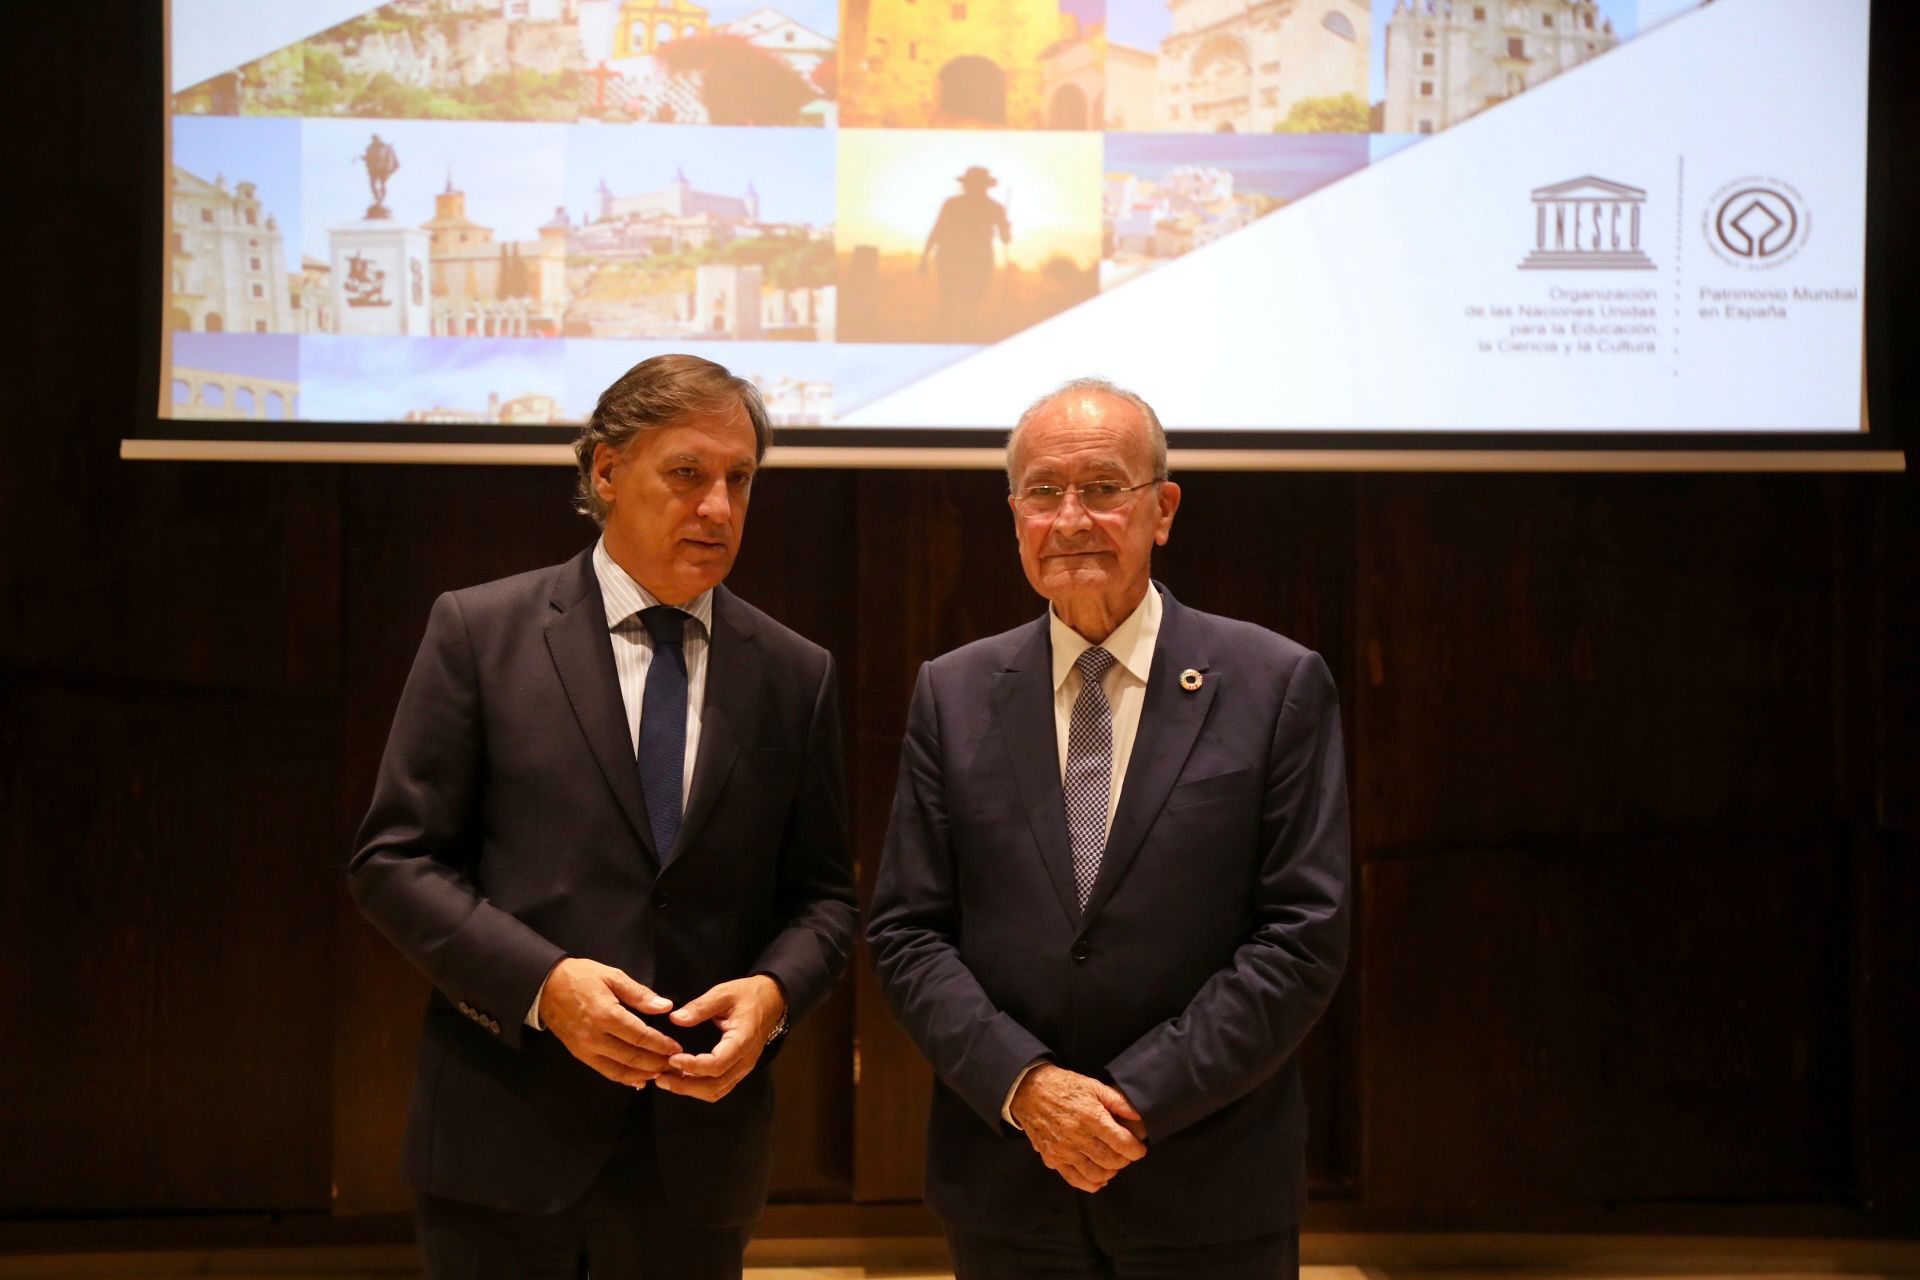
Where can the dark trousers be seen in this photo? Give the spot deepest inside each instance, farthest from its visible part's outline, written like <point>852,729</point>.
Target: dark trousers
<point>1073,1251</point>
<point>622,1229</point>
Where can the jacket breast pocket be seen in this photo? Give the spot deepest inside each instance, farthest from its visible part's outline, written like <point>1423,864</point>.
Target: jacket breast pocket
<point>1211,790</point>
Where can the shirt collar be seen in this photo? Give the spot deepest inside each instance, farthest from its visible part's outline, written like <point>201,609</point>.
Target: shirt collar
<point>1131,643</point>
<point>624,597</point>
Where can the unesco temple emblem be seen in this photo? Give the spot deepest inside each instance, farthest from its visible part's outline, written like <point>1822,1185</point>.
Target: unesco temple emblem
<point>1587,224</point>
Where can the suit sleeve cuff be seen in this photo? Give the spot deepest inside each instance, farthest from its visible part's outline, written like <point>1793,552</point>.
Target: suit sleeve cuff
<point>533,1010</point>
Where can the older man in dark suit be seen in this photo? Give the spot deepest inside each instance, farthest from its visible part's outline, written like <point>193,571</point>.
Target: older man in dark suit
<point>1113,897</point>
<point>608,828</point>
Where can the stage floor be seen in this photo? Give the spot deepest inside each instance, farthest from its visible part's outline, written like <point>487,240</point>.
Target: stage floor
<point>180,1266</point>
<point>1434,1257</point>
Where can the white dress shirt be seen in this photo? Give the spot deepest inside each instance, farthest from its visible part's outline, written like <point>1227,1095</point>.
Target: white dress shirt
<point>1125,684</point>
<point>633,654</point>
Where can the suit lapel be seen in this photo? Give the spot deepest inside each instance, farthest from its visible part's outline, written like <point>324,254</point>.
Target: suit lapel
<point>1170,720</point>
<point>733,690</point>
<point>1023,715</point>
<point>583,655</point>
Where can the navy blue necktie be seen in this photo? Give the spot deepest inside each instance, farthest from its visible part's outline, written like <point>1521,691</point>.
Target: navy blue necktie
<point>663,726</point>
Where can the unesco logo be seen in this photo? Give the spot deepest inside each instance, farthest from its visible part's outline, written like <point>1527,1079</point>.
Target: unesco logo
<point>1757,223</point>
<point>1588,224</point>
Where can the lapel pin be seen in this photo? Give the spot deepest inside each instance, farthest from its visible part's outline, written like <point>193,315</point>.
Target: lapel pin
<point>1190,680</point>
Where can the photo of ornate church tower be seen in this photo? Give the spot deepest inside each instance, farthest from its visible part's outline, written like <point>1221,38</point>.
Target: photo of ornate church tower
<point>225,259</point>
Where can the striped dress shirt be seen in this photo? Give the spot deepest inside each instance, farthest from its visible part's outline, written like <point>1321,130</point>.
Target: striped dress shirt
<point>633,649</point>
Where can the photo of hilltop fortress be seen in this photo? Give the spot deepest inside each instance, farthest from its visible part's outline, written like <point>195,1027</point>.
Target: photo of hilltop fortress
<point>730,238</point>
<point>662,61</point>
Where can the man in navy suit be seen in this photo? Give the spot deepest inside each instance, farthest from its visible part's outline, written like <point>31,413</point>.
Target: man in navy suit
<point>608,828</point>
<point>1113,896</point>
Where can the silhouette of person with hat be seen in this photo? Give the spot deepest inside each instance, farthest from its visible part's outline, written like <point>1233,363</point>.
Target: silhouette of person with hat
<point>961,245</point>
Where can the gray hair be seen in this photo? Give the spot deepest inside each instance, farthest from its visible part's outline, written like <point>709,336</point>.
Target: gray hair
<point>658,392</point>
<point>1156,434</point>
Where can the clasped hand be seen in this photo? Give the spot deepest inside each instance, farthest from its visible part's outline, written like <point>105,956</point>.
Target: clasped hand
<point>590,1007</point>
<point>1085,1130</point>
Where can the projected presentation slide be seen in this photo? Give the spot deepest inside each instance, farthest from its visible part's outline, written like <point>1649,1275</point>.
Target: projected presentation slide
<point>1319,215</point>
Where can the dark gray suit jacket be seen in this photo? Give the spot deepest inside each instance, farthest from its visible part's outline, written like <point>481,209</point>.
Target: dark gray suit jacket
<point>1215,935</point>
<point>508,830</point>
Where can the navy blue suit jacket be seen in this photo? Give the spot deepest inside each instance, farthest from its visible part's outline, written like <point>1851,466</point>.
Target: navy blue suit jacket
<point>507,830</point>
<point>1215,935</point>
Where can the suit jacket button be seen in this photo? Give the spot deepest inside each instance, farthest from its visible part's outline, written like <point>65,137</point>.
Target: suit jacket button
<point>659,899</point>
<point>1081,950</point>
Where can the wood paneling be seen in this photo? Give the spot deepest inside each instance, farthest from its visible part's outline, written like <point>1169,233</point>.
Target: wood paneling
<point>1608,876</point>
<point>1545,656</point>
<point>165,984</point>
<point>1587,1025</point>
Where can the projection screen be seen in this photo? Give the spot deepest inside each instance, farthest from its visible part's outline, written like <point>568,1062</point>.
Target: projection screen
<point>437,229</point>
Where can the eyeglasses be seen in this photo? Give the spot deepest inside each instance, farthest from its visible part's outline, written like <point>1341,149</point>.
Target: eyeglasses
<point>1099,496</point>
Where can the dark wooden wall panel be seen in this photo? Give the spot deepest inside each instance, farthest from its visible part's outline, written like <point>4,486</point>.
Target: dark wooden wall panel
<point>1586,1025</point>
<point>1551,655</point>
<point>1608,875</point>
<point>165,982</point>
<point>222,576</point>
<point>1887,945</point>
<point>168,722</point>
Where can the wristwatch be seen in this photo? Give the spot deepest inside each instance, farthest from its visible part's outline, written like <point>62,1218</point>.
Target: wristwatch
<point>780,1027</point>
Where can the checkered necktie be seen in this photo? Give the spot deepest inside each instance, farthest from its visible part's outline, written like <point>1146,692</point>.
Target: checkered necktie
<point>1089,780</point>
<point>663,726</point>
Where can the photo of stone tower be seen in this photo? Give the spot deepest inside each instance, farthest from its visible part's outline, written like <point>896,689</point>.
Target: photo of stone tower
<point>949,64</point>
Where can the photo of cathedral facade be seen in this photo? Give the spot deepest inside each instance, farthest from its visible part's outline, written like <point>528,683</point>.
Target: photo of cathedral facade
<point>1449,61</point>
<point>224,259</point>
<point>1242,66</point>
